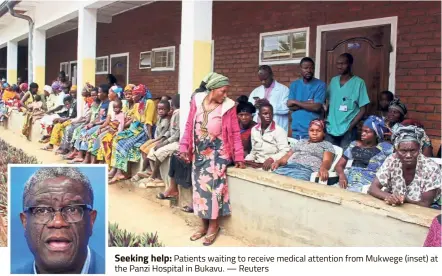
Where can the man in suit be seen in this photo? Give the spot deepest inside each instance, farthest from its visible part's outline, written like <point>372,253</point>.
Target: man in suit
<point>58,218</point>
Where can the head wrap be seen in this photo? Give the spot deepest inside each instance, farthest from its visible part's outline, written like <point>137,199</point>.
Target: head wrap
<point>73,87</point>
<point>317,122</point>
<point>48,89</point>
<point>5,85</point>
<point>117,90</point>
<point>214,80</point>
<point>412,122</point>
<point>245,107</point>
<point>88,87</point>
<point>139,90</point>
<point>377,125</point>
<point>24,86</point>
<point>129,87</point>
<point>148,94</point>
<point>56,86</point>
<point>407,134</point>
<point>398,105</point>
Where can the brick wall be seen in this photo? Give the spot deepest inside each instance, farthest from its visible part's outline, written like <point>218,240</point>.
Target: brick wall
<point>237,25</point>
<point>139,30</point>
<point>3,57</point>
<point>60,48</point>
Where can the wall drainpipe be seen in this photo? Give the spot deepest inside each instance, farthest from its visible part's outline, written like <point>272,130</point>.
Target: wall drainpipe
<point>10,6</point>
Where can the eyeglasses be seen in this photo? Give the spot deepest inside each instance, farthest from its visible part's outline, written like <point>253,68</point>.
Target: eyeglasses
<point>70,213</point>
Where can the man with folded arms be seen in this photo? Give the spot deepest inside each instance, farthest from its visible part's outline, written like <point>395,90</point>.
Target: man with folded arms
<point>58,218</point>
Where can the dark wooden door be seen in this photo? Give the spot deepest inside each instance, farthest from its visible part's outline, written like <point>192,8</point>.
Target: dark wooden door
<point>370,48</point>
<point>119,69</point>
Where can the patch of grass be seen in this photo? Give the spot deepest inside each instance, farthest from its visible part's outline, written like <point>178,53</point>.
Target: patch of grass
<point>123,238</point>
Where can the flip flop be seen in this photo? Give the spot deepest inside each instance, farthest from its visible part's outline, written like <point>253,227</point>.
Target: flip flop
<point>163,197</point>
<point>46,148</point>
<point>144,174</point>
<point>135,178</point>
<point>210,239</point>
<point>187,209</point>
<point>198,235</point>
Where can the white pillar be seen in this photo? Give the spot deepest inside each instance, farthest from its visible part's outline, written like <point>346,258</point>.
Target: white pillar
<point>195,50</point>
<point>11,62</point>
<point>87,40</point>
<point>39,59</point>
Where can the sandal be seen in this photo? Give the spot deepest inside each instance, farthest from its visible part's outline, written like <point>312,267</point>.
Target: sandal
<point>135,178</point>
<point>145,174</point>
<point>47,148</point>
<point>210,239</point>
<point>198,235</point>
<point>187,209</point>
<point>117,178</point>
<point>164,197</point>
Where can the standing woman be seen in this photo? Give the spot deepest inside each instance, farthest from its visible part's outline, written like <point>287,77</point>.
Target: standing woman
<point>212,141</point>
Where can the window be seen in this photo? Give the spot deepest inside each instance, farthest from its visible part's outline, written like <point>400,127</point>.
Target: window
<point>283,46</point>
<point>64,66</point>
<point>145,60</point>
<point>163,59</point>
<point>101,65</point>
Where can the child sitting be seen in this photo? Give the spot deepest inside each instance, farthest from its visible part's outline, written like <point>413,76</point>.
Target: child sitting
<point>162,132</point>
<point>36,108</point>
<point>164,149</point>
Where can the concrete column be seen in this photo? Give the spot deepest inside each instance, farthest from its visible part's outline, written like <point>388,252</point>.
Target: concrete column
<point>11,62</point>
<point>86,54</point>
<point>39,58</point>
<point>195,51</point>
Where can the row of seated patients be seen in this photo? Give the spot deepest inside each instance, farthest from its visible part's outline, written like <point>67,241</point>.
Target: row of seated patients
<point>397,173</point>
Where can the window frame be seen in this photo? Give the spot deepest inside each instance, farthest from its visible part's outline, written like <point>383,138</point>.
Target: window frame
<point>139,62</point>
<point>128,63</point>
<point>163,68</point>
<point>107,68</point>
<point>65,63</point>
<point>290,61</point>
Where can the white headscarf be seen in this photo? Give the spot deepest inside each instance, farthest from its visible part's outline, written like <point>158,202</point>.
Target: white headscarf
<point>48,89</point>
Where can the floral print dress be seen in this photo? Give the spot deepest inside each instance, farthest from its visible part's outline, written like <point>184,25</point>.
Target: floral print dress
<point>210,161</point>
<point>427,177</point>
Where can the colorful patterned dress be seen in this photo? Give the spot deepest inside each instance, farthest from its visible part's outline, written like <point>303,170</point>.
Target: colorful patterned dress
<point>105,151</point>
<point>126,144</point>
<point>365,164</point>
<point>210,161</point>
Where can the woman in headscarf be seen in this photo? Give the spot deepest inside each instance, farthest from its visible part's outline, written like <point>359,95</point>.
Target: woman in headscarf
<point>308,156</point>
<point>427,147</point>
<point>55,106</point>
<point>364,157</point>
<point>126,144</point>
<point>407,176</point>
<point>89,96</point>
<point>94,140</point>
<point>212,142</point>
<point>104,153</point>
<point>396,114</point>
<point>245,111</point>
<point>23,89</point>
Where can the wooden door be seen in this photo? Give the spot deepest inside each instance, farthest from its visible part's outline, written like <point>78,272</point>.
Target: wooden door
<point>119,69</point>
<point>370,48</point>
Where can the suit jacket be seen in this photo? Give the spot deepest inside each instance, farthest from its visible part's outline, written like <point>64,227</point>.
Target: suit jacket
<point>97,266</point>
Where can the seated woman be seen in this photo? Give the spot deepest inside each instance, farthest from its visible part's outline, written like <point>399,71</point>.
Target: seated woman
<point>245,111</point>
<point>427,147</point>
<point>55,106</point>
<point>407,176</point>
<point>269,141</point>
<point>366,157</point>
<point>396,114</point>
<point>308,156</point>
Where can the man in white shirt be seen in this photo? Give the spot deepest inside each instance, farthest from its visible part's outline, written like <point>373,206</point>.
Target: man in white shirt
<point>275,93</point>
<point>269,141</point>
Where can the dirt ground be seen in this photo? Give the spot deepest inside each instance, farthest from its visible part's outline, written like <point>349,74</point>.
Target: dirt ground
<point>138,214</point>
<point>130,209</point>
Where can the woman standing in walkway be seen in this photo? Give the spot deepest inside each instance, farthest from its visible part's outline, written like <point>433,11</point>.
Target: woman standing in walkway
<point>212,141</point>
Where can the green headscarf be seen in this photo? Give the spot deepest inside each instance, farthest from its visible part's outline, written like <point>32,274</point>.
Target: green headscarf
<point>214,80</point>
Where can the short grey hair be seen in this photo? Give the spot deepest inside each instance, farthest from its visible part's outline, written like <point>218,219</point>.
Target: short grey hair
<point>53,172</point>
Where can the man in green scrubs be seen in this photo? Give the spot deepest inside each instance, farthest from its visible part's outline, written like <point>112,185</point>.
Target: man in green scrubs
<point>347,96</point>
